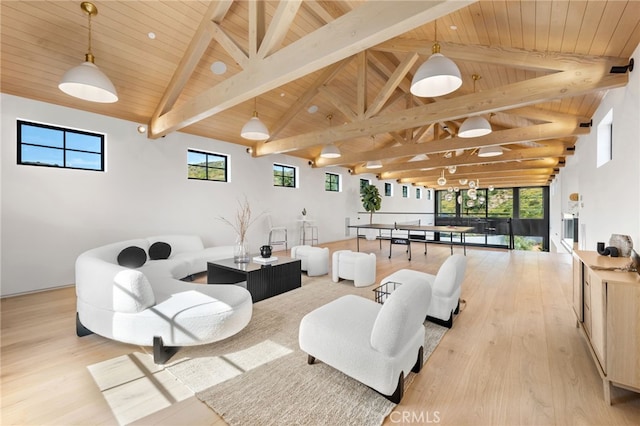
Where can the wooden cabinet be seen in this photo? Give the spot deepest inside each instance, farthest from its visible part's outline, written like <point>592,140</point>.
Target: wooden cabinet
<point>607,306</point>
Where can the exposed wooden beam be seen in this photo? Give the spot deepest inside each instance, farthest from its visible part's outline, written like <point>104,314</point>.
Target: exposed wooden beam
<point>279,26</point>
<point>199,43</point>
<point>392,83</point>
<point>453,180</point>
<point>337,101</point>
<point>333,42</point>
<point>500,55</point>
<point>556,150</point>
<point>256,26</point>
<point>554,86</point>
<point>361,84</point>
<point>230,46</point>
<point>521,134</point>
<point>300,103</point>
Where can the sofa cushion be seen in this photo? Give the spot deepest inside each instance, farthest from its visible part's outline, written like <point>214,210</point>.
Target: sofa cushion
<point>132,257</point>
<point>132,292</point>
<point>159,250</point>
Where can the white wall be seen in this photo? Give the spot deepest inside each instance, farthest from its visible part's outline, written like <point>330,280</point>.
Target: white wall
<point>49,216</point>
<point>610,194</point>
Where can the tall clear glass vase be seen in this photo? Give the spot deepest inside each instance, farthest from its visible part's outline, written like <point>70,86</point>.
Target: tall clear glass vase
<point>241,252</point>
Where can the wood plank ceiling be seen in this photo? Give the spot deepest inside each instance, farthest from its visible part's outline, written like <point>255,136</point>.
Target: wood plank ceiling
<point>544,67</point>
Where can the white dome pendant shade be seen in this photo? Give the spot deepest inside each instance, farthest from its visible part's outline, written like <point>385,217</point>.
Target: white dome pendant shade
<point>255,129</point>
<point>86,81</point>
<point>489,151</point>
<point>437,76</point>
<point>474,127</point>
<point>330,151</point>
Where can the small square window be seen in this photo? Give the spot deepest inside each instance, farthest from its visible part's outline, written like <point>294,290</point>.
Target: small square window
<point>332,182</point>
<point>207,166</point>
<point>284,175</point>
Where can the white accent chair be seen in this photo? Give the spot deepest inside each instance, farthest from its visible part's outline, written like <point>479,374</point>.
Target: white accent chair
<point>314,260</point>
<point>277,234</point>
<point>372,343</point>
<point>349,265</point>
<point>446,287</point>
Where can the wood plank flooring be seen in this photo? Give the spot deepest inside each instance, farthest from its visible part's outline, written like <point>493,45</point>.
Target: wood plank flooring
<point>513,356</point>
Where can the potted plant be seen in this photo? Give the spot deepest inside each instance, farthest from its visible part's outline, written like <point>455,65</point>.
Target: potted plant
<point>371,201</point>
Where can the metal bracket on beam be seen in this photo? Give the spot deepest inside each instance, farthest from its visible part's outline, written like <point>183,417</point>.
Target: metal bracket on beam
<point>589,124</point>
<point>622,69</point>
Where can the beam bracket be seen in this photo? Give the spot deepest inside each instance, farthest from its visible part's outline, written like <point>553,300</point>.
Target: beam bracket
<point>622,69</point>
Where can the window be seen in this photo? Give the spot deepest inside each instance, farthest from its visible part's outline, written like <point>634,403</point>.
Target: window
<point>405,191</point>
<point>331,182</point>
<point>446,203</point>
<point>531,203</point>
<point>49,146</point>
<point>206,166</point>
<point>284,176</point>
<point>605,140</point>
<point>418,193</point>
<point>388,189</point>
<point>363,183</point>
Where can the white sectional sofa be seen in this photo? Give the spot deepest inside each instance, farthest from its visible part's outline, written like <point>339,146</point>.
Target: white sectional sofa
<point>149,304</point>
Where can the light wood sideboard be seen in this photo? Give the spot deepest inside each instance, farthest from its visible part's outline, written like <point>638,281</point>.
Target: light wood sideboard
<point>607,305</point>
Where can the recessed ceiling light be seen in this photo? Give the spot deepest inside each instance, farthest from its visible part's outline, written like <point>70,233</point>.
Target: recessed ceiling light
<point>218,67</point>
<point>282,95</point>
<point>454,27</point>
<point>312,109</point>
<point>151,35</point>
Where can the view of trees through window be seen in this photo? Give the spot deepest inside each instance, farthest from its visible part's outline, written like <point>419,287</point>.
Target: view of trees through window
<point>495,206</point>
<point>206,166</point>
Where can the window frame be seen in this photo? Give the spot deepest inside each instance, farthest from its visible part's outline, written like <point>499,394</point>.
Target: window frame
<point>64,149</point>
<point>337,183</point>
<point>405,191</point>
<point>388,186</point>
<point>207,154</point>
<point>418,193</point>
<point>363,183</point>
<point>283,175</point>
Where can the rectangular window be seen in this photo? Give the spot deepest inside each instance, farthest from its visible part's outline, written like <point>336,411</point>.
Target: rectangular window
<point>405,191</point>
<point>207,166</point>
<point>500,203</point>
<point>331,182</point>
<point>418,193</point>
<point>49,146</point>
<point>363,183</point>
<point>531,203</point>
<point>446,203</point>
<point>605,140</point>
<point>284,175</point>
<point>388,189</point>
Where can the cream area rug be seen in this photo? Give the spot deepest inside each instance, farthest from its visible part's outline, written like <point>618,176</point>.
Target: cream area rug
<point>260,375</point>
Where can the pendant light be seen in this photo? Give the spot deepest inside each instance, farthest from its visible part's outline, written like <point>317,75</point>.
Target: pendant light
<point>489,151</point>
<point>374,164</point>
<point>437,76</point>
<point>442,180</point>
<point>330,151</point>
<point>255,129</point>
<point>86,81</point>
<point>477,125</point>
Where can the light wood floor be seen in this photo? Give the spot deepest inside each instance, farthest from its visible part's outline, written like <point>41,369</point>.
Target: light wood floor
<point>513,356</point>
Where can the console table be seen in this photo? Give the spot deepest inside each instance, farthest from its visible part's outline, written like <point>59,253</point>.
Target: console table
<point>263,281</point>
<point>607,307</point>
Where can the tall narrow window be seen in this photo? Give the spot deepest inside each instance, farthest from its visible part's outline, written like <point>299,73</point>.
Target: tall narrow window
<point>388,189</point>
<point>363,183</point>
<point>405,191</point>
<point>605,140</point>
<point>50,146</point>
<point>331,182</point>
<point>418,193</point>
<point>284,175</point>
<point>207,166</point>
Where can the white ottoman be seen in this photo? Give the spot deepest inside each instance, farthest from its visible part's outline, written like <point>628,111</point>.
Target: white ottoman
<point>314,260</point>
<point>359,267</point>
